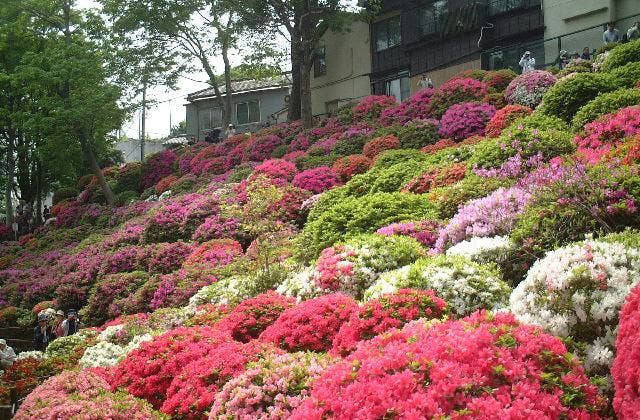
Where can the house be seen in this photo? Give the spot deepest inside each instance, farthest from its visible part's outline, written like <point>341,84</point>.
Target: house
<point>341,68</point>
<point>254,103</point>
<point>442,37</point>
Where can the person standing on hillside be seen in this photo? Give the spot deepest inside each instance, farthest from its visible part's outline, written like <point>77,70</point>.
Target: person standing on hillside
<point>7,355</point>
<point>42,333</point>
<point>72,324</point>
<point>634,32</point>
<point>611,35</point>
<point>527,62</point>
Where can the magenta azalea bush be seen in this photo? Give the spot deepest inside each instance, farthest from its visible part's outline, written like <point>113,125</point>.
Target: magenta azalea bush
<point>317,180</point>
<point>462,121</point>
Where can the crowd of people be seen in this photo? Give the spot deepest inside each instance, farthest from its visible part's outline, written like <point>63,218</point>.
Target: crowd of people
<point>49,329</point>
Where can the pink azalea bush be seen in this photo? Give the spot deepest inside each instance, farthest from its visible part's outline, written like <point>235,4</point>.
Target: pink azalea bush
<point>599,136</point>
<point>277,168</point>
<point>529,88</point>
<point>461,121</point>
<point>317,179</point>
<point>425,231</point>
<point>486,366</point>
<point>380,144</point>
<point>371,107</point>
<point>348,166</point>
<point>415,107</point>
<point>456,91</point>
<point>504,117</point>
<point>157,167</point>
<point>217,252</point>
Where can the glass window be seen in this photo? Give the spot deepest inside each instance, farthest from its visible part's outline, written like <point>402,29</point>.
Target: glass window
<point>430,17</point>
<point>400,88</point>
<point>320,63</point>
<point>248,112</point>
<point>388,33</point>
<point>501,6</point>
<point>210,118</point>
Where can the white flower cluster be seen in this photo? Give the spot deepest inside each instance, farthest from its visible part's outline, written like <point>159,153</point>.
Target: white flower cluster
<point>105,353</point>
<point>226,291</point>
<point>484,250</point>
<point>300,285</point>
<point>531,98</point>
<point>578,291</point>
<point>110,332</point>
<point>35,354</point>
<point>599,61</point>
<point>387,283</point>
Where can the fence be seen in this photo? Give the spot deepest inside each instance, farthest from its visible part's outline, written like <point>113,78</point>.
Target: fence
<point>547,51</point>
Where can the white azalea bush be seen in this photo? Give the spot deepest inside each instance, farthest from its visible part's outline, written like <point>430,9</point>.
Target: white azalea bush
<point>577,291</point>
<point>387,283</point>
<point>465,285</point>
<point>300,285</point>
<point>227,291</point>
<point>484,250</point>
<point>105,353</point>
<point>34,354</point>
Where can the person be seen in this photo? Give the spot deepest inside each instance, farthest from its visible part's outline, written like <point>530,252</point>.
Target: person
<point>634,31</point>
<point>563,59</point>
<point>42,333</point>
<point>46,213</point>
<point>231,130</point>
<point>72,324</point>
<point>575,55</point>
<point>611,35</point>
<point>586,55</point>
<point>7,355</point>
<point>527,62</point>
<point>58,330</point>
<point>425,82</point>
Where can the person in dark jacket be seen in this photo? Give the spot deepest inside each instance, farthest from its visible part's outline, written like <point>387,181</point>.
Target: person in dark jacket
<point>43,333</point>
<point>72,324</point>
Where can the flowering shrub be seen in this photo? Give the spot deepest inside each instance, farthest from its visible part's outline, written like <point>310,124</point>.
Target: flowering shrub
<point>260,147</point>
<point>299,284</point>
<point>102,354</point>
<point>389,311</point>
<point>105,294</point>
<point>217,252</point>
<point>499,80</point>
<point>249,319</point>
<point>270,388</point>
<point>504,117</point>
<point>603,104</point>
<point>567,96</point>
<point>277,168</point>
<point>156,167</point>
<point>625,370</point>
<point>317,180</point>
<point>378,145</point>
<point>439,145</point>
<point>465,120</point>
<point>608,130</point>
<point>165,183</point>
<point>425,231</point>
<point>216,227</point>
<point>484,250</point>
<point>176,288</point>
<point>415,107</point>
<point>578,291</point>
<point>372,106</point>
<point>348,166</point>
<point>529,88</point>
<point>456,91</point>
<point>354,266</point>
<point>312,324</point>
<point>427,371</point>
<point>436,177</point>
<point>82,395</point>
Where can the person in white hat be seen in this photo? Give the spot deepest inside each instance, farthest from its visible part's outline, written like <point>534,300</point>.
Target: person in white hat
<point>7,355</point>
<point>527,62</point>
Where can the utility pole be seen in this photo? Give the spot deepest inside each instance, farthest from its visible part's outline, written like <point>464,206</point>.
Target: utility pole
<point>170,122</point>
<point>144,116</point>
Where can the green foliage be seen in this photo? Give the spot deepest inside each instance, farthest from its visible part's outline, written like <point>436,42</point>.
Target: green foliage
<point>352,146</point>
<point>327,200</point>
<point>605,103</point>
<point>416,135</point>
<point>128,178</point>
<point>354,215</point>
<point>64,194</point>
<point>239,173</point>
<point>126,197</point>
<point>185,184</point>
<point>623,54</point>
<point>310,161</point>
<point>629,238</point>
<point>567,96</point>
<point>392,157</point>
<point>396,176</point>
<point>626,76</point>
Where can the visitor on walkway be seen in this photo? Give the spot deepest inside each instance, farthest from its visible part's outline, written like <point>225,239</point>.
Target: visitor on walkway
<point>42,334</point>
<point>634,32</point>
<point>7,355</point>
<point>425,82</point>
<point>527,62</point>
<point>231,131</point>
<point>611,35</point>
<point>586,55</point>
<point>46,213</point>
<point>563,59</point>
<point>58,330</point>
<point>72,324</point>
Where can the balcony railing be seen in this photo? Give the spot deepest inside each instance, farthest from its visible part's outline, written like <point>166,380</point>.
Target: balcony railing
<point>496,7</point>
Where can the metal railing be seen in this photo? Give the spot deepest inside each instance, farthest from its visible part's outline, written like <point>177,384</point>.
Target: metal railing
<point>496,7</point>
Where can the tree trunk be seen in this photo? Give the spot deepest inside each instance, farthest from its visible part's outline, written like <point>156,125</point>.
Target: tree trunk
<point>39,194</point>
<point>143,128</point>
<point>305,95</point>
<point>9,169</point>
<point>226,114</point>
<point>307,48</point>
<point>294,98</point>
<point>95,168</point>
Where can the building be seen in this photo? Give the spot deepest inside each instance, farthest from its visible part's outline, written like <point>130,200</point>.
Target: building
<point>340,73</point>
<point>442,37</point>
<point>254,103</point>
<point>130,148</point>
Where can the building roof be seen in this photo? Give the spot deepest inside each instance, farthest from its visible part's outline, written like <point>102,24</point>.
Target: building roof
<point>243,86</point>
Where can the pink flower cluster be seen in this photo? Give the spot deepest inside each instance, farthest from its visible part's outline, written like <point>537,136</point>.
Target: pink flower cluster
<point>371,107</point>
<point>380,144</point>
<point>504,117</point>
<point>218,252</point>
<point>626,366</point>
<point>461,121</point>
<point>425,231</point>
<point>600,135</point>
<point>157,167</point>
<point>317,179</point>
<point>277,168</point>
<point>415,107</point>
<point>529,88</point>
<point>455,91</point>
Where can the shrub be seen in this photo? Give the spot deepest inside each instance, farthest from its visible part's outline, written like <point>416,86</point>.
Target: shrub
<point>425,232</point>
<point>249,319</point>
<point>389,311</point>
<point>156,167</point>
<point>609,130</point>
<point>103,295</point>
<point>496,100</point>
<point>392,178</point>
<point>352,267</point>
<point>605,103</point>
<point>351,216</point>
<point>625,366</point>
<point>465,120</point>
<point>349,146</point>
<point>270,388</point>
<point>622,55</point>
<point>128,178</point>
<point>504,117</point>
<point>371,107</point>
<point>436,177</point>
<point>311,325</point>
<point>577,291</point>
<point>567,96</point>
<point>529,88</point>
<point>277,168</point>
<point>626,76</point>
<point>496,249</point>
<point>456,91</point>
<point>217,252</point>
<point>348,166</point>
<point>317,180</point>
<point>378,145</point>
<point>418,133</point>
<point>498,80</point>
<point>446,370</point>
<point>216,227</point>
<point>64,194</point>
<point>415,107</point>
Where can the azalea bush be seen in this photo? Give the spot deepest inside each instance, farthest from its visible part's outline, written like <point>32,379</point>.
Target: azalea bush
<point>455,91</point>
<point>599,135</point>
<point>461,121</point>
<point>437,177</point>
<point>414,107</point>
<point>348,166</point>
<point>156,167</point>
<point>529,88</point>
<point>483,250</point>
<point>605,103</point>
<point>504,117</point>
<point>498,80</point>
<point>317,180</point>
<point>425,231</point>
<point>566,97</point>
<point>379,144</point>
<point>277,168</point>
<point>371,107</point>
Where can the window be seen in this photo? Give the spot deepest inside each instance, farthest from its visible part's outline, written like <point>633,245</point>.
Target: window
<point>387,33</point>
<point>430,17</point>
<point>210,118</point>
<point>320,62</point>
<point>400,88</point>
<point>501,6</point>
<point>248,112</point>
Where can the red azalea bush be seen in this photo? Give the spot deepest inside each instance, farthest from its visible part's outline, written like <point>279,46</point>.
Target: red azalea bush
<point>250,318</point>
<point>148,371</point>
<point>483,366</point>
<point>504,117</point>
<point>439,145</point>
<point>629,150</point>
<point>218,252</point>
<point>389,311</point>
<point>598,136</point>
<point>156,167</point>
<point>192,391</point>
<point>351,165</point>
<point>277,168</point>
<point>312,324</point>
<point>415,107</point>
<point>380,144</point>
<point>626,366</point>
<point>317,179</point>
<point>455,91</point>
<point>436,177</point>
<point>371,107</point>
<point>499,80</point>
<point>465,120</point>
<point>166,183</point>
<point>6,233</point>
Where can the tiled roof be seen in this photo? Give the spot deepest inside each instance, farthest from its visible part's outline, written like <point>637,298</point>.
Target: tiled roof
<point>243,86</point>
